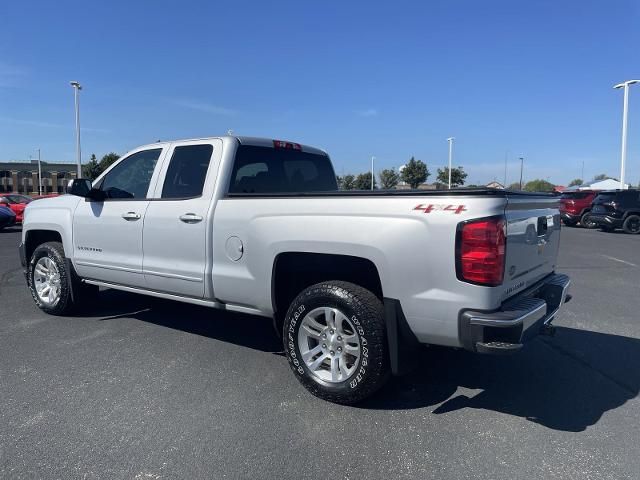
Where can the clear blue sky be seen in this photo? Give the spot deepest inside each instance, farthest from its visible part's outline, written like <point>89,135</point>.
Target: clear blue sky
<point>390,79</point>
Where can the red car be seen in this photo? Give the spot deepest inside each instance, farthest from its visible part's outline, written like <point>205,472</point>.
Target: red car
<point>576,207</point>
<point>15,202</point>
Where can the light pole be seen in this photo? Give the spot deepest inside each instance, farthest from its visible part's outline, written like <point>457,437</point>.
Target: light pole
<point>77,87</point>
<point>521,168</point>
<point>39,175</point>
<point>450,140</point>
<point>625,114</point>
<point>373,159</point>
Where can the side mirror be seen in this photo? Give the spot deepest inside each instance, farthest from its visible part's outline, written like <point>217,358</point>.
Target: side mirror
<point>80,187</point>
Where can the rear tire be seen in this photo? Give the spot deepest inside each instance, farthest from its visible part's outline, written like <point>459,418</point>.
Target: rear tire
<point>335,341</point>
<point>587,222</point>
<point>632,224</point>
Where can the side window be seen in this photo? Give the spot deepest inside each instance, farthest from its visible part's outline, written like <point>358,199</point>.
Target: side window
<point>131,177</point>
<point>187,171</point>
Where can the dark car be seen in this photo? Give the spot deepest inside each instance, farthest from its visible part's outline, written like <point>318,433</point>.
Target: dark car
<point>617,209</point>
<point>576,207</point>
<point>7,217</point>
<point>15,202</point>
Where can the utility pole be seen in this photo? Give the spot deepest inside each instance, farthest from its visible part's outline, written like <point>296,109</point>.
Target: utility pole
<point>450,140</point>
<point>39,175</point>
<point>521,168</point>
<point>506,157</point>
<point>625,114</point>
<point>77,87</point>
<point>373,159</point>
<point>582,174</point>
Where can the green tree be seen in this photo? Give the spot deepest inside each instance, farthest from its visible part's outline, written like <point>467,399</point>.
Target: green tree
<point>415,172</point>
<point>576,182</point>
<point>107,160</point>
<point>363,181</point>
<point>91,169</point>
<point>514,186</point>
<point>348,182</point>
<point>389,179</point>
<point>600,176</point>
<point>539,185</point>
<point>458,176</point>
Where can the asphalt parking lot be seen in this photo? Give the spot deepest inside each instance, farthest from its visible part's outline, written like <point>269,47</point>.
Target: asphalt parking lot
<point>145,389</point>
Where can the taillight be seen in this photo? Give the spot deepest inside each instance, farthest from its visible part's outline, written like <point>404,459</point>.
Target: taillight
<point>286,145</point>
<point>480,251</point>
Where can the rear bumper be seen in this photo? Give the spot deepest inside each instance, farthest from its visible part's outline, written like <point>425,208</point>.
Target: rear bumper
<point>518,320</point>
<point>606,221</point>
<point>570,217</point>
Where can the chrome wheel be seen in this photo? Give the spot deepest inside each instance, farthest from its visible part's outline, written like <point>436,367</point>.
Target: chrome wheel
<point>329,344</point>
<point>46,280</point>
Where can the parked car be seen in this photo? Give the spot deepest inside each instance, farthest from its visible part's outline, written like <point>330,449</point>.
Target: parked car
<point>7,217</point>
<point>575,207</point>
<point>617,209</point>
<point>45,195</point>
<point>354,281</point>
<point>15,202</point>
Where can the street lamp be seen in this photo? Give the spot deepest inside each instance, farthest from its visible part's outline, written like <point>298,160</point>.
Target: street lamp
<point>373,159</point>
<point>77,87</point>
<point>521,168</point>
<point>450,140</point>
<point>625,113</point>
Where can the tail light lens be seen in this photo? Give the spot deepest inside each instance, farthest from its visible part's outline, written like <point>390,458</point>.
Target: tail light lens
<point>480,251</point>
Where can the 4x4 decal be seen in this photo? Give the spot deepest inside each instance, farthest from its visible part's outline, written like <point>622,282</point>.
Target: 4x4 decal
<point>428,208</point>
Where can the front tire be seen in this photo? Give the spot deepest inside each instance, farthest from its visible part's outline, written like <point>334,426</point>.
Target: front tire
<point>48,279</point>
<point>335,341</point>
<point>632,224</point>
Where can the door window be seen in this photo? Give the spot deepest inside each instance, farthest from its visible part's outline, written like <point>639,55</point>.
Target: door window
<point>131,177</point>
<point>187,171</point>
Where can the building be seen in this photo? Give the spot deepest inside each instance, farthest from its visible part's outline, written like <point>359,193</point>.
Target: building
<point>606,184</point>
<point>495,184</point>
<point>22,176</point>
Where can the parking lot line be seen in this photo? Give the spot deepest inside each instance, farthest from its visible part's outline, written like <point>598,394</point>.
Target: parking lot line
<point>619,260</point>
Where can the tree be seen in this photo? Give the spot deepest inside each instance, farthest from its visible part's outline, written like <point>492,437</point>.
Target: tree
<point>389,179</point>
<point>576,182</point>
<point>415,172</point>
<point>539,185</point>
<point>600,176</point>
<point>91,169</point>
<point>458,176</point>
<point>514,186</point>
<point>348,182</point>
<point>107,160</point>
<point>363,181</point>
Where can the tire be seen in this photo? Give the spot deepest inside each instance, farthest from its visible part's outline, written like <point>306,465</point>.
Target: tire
<point>632,224</point>
<point>47,266</point>
<point>351,361</point>
<point>586,222</point>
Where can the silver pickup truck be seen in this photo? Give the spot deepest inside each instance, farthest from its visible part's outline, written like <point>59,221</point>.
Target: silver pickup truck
<point>354,281</point>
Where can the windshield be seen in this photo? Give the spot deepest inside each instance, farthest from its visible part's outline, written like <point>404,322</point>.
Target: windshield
<point>574,195</point>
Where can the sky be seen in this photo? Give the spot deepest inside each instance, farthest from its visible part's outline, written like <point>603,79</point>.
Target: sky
<point>507,79</point>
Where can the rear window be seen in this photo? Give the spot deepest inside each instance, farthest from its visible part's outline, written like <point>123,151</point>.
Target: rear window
<point>605,197</point>
<point>574,195</point>
<point>271,170</point>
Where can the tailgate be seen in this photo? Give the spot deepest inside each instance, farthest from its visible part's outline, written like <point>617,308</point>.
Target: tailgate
<point>533,238</point>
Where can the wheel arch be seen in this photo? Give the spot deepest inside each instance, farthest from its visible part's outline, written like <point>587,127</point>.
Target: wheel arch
<point>292,272</point>
<point>35,237</point>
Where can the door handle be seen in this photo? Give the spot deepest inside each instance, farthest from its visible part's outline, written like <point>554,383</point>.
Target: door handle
<point>131,216</point>
<point>190,218</point>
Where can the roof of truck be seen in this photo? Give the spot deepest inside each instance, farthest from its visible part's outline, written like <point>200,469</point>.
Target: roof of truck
<point>243,140</point>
